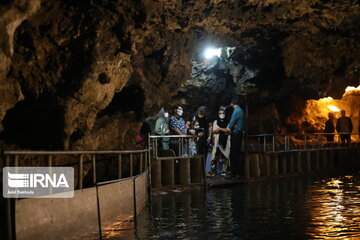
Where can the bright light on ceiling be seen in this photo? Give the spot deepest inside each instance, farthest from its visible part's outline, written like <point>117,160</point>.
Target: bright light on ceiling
<point>211,52</point>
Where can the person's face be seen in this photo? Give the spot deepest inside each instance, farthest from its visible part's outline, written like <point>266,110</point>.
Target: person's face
<point>343,113</point>
<point>179,111</point>
<point>221,114</point>
<point>201,114</point>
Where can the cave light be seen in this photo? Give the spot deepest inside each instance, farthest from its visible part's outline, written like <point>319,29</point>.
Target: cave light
<point>211,52</point>
<point>333,108</point>
<point>351,88</point>
<point>326,99</point>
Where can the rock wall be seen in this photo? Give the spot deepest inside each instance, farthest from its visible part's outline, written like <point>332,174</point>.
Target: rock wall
<point>84,74</point>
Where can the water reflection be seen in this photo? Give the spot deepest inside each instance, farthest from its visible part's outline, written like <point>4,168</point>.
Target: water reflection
<point>335,209</point>
<point>298,208</point>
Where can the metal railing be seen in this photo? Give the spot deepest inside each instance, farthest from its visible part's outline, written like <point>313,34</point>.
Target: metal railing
<point>183,150</point>
<point>13,158</point>
<point>294,141</point>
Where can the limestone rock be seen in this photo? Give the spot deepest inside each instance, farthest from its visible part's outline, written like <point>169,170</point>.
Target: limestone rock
<point>73,66</point>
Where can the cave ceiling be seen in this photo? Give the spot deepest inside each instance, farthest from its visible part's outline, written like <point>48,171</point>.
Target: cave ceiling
<point>79,60</point>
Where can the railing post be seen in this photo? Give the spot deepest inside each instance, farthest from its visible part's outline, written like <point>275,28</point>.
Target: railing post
<point>9,225</point>
<point>16,161</point>
<point>131,164</point>
<point>264,143</point>
<point>94,168</point>
<point>156,147</point>
<point>81,162</point>
<point>50,158</point>
<point>273,143</point>
<point>119,166</point>
<point>180,146</point>
<point>141,163</point>
<point>305,142</point>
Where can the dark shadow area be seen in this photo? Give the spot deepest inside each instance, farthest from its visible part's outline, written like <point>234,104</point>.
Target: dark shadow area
<point>35,123</point>
<point>131,98</point>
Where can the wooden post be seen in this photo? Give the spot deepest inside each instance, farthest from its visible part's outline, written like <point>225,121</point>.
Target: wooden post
<point>291,159</point>
<point>298,167</point>
<point>247,166</point>
<point>156,173</point>
<point>283,163</point>
<point>324,159</point>
<point>168,172</point>
<point>308,161</point>
<point>254,165</point>
<point>184,171</point>
<point>274,164</point>
<point>317,159</point>
<point>267,169</point>
<point>195,169</point>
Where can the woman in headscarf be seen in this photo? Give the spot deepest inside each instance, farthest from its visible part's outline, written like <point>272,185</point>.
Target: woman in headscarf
<point>221,149</point>
<point>162,127</point>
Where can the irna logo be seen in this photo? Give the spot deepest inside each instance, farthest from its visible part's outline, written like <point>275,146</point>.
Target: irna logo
<point>16,180</point>
<point>44,182</point>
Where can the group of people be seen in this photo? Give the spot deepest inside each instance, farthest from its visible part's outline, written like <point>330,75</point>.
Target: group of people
<point>343,126</point>
<point>225,134</point>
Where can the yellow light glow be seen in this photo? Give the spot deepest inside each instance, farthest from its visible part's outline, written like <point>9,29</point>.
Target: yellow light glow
<point>351,88</point>
<point>333,108</point>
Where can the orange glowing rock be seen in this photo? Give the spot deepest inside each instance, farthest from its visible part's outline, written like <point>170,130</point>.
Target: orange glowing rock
<point>350,90</point>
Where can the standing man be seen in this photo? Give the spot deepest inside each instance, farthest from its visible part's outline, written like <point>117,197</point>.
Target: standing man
<point>344,127</point>
<point>236,127</point>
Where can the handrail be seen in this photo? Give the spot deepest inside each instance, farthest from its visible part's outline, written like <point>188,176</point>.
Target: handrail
<point>174,136</point>
<point>80,157</point>
<point>29,152</point>
<point>299,134</point>
<point>298,141</point>
<point>182,154</point>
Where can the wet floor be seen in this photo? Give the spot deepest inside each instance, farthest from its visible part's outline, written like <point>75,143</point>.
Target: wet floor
<point>297,208</point>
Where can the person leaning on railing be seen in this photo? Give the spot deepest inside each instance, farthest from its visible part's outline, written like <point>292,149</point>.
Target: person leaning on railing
<point>177,127</point>
<point>162,128</point>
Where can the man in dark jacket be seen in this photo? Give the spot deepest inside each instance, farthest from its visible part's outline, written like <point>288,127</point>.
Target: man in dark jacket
<point>344,127</point>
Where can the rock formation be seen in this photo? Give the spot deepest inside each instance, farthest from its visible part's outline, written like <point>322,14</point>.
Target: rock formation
<point>84,74</point>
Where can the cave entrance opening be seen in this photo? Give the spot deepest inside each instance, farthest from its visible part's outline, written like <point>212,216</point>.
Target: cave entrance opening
<point>212,80</point>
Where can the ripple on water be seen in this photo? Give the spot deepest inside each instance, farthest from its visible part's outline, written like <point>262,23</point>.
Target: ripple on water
<point>299,208</point>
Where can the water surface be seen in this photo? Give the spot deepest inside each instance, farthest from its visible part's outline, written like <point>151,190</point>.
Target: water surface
<point>297,208</point>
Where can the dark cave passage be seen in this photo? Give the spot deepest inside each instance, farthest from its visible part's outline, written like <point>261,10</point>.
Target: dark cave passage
<point>35,123</point>
<point>131,98</point>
